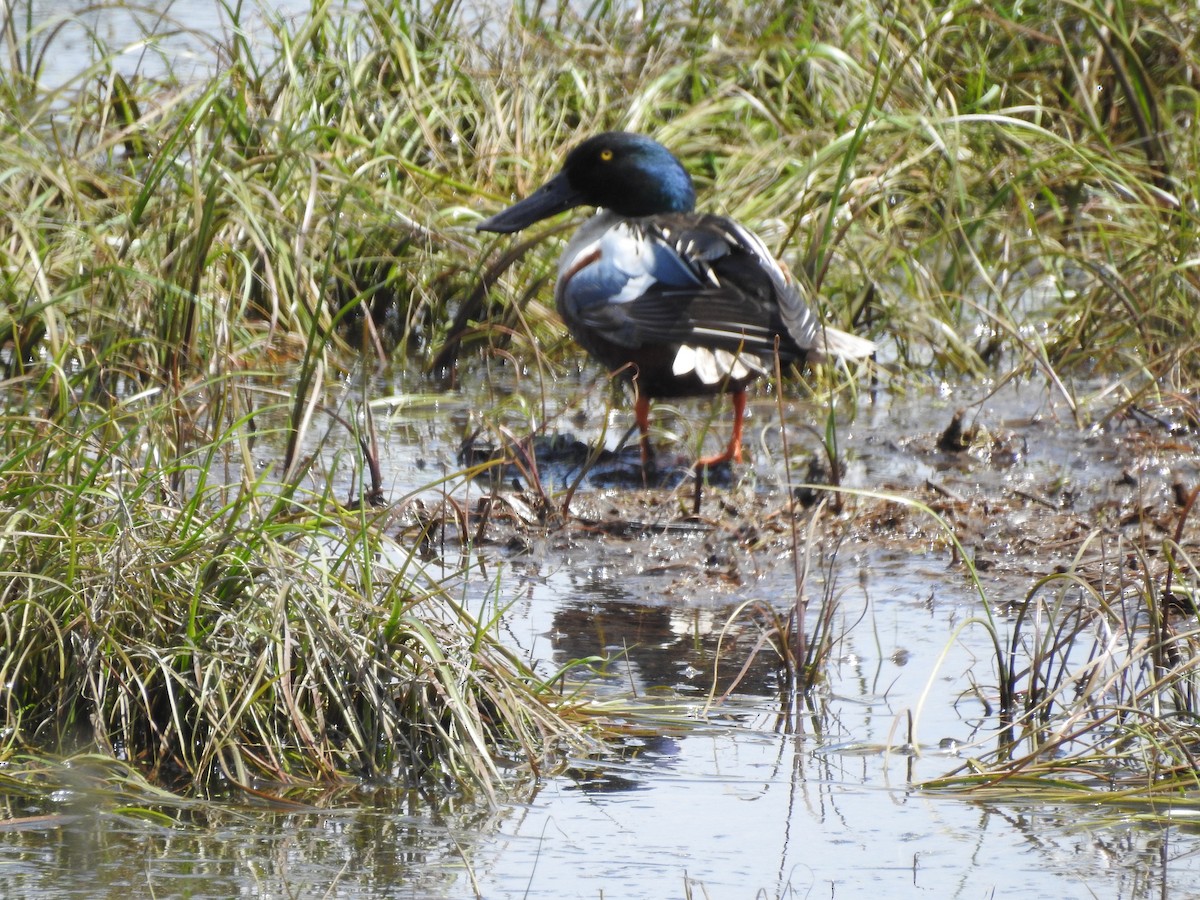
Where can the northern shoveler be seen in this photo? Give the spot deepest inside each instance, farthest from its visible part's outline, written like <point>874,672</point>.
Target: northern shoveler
<point>679,302</point>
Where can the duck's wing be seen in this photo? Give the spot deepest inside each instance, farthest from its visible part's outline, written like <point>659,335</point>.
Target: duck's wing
<point>702,281</point>
<point>744,282</point>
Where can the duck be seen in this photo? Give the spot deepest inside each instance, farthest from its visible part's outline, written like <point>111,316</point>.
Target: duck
<point>679,303</point>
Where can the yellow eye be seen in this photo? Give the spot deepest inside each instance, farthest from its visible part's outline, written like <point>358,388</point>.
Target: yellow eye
<point>606,155</point>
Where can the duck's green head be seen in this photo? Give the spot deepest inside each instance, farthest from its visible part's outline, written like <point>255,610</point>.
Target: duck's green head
<point>630,174</point>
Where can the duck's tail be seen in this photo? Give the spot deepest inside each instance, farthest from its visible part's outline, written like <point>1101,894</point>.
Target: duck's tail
<point>834,344</point>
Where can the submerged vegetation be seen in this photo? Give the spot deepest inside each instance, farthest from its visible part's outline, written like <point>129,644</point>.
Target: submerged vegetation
<point>192,271</point>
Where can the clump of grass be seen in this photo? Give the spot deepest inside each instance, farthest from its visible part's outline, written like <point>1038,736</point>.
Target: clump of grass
<point>1098,676</point>
<point>234,628</point>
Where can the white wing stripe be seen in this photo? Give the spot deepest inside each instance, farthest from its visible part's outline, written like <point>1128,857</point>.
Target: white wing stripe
<point>714,366</point>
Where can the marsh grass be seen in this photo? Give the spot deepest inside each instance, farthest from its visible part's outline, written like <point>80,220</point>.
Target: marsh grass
<point>211,625</point>
<point>989,192</point>
<point>1093,696</point>
<point>1099,676</point>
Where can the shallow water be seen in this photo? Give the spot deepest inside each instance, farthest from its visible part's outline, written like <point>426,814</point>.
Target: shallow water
<point>756,794</point>
<point>724,813</point>
<point>151,40</point>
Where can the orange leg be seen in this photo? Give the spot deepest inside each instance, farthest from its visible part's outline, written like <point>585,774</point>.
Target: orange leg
<point>733,452</point>
<point>641,412</point>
